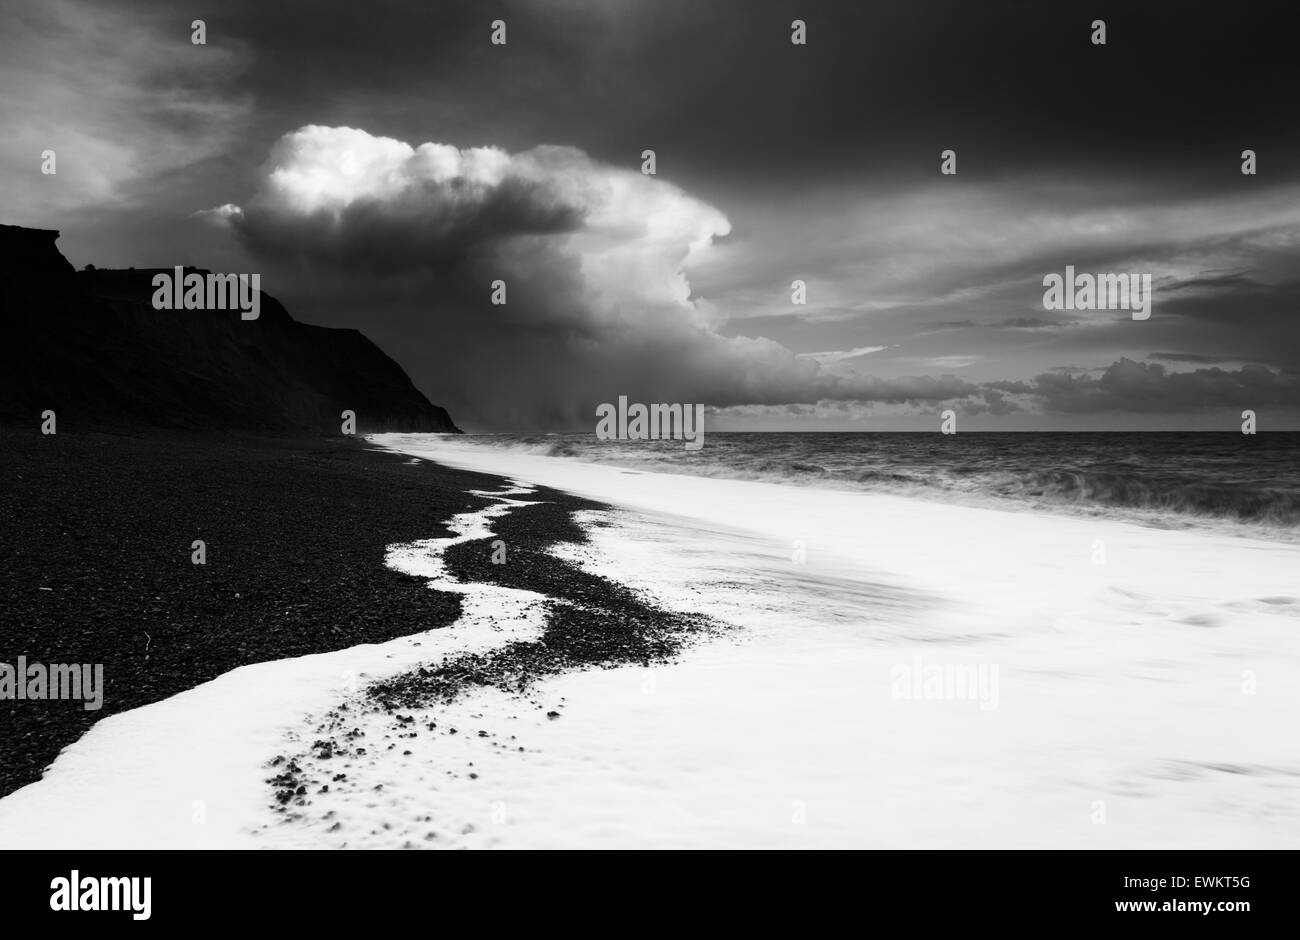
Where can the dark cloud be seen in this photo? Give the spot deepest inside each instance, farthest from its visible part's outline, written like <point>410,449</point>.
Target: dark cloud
<point>880,88</point>
<point>1137,386</point>
<point>1007,323</point>
<point>1185,357</point>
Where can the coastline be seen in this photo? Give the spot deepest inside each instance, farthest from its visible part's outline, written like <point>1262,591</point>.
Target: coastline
<point>910,674</point>
<point>99,565</point>
<point>798,730</point>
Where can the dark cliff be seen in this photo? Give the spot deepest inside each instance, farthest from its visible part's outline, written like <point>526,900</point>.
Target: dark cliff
<point>90,346</point>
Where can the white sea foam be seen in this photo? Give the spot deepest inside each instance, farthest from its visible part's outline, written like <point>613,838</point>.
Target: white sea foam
<point>1147,679</point>
<point>191,771</point>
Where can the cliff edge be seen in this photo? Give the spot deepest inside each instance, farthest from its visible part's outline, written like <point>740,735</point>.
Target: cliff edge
<point>90,346</point>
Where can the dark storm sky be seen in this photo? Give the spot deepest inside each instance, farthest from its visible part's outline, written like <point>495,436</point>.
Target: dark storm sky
<point>775,162</point>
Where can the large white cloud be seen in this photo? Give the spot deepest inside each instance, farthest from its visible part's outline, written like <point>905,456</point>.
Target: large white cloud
<point>595,259</point>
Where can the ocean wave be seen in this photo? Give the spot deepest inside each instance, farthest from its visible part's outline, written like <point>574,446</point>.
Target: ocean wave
<point>1158,480</point>
<point>1226,500</point>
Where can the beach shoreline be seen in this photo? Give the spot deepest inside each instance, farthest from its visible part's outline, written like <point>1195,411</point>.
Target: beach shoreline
<point>99,561</point>
<point>808,717</point>
<point>908,673</point>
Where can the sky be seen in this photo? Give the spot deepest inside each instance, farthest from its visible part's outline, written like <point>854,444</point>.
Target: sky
<point>381,165</point>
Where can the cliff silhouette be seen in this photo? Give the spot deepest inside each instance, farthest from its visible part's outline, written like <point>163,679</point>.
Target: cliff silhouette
<point>90,346</point>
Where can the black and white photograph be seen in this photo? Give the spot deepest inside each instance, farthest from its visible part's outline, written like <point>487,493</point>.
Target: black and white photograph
<point>621,425</point>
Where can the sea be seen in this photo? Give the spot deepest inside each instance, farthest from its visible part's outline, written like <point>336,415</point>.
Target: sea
<point>1164,479</point>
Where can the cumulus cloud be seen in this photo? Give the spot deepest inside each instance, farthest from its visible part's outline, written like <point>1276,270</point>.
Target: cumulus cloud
<point>595,260</point>
<point>377,205</point>
<point>406,242</point>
